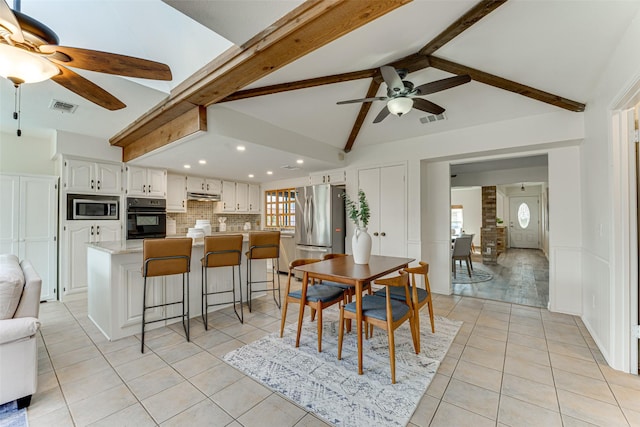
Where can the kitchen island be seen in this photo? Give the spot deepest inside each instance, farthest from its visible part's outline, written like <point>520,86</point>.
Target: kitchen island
<point>115,284</point>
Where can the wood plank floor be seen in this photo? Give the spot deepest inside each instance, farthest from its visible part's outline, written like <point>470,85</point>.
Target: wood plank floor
<point>521,277</point>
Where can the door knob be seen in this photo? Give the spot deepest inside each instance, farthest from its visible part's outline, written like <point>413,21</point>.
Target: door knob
<point>383,234</point>
<point>375,234</point>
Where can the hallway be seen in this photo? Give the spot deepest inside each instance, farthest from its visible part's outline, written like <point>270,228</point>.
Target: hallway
<point>521,277</point>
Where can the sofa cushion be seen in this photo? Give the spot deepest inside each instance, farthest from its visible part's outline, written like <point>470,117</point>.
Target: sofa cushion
<point>11,285</point>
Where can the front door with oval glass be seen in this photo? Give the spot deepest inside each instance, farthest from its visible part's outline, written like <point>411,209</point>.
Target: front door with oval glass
<point>524,224</point>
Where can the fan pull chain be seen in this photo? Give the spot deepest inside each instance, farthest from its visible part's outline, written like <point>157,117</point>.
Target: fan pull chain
<point>16,107</point>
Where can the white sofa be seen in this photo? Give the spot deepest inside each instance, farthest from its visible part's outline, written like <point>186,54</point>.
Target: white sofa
<point>19,307</point>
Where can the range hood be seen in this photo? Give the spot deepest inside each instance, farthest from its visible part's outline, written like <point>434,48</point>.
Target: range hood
<point>202,197</point>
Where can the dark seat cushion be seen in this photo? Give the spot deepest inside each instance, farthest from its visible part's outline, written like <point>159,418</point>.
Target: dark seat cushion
<point>317,293</point>
<point>398,293</point>
<point>376,307</point>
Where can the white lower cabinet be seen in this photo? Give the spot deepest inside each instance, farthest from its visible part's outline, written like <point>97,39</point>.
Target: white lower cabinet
<point>76,235</point>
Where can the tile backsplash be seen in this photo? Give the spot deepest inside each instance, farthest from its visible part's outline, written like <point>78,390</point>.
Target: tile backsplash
<point>206,210</point>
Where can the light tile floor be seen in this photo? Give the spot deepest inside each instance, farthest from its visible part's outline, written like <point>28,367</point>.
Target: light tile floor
<point>509,365</point>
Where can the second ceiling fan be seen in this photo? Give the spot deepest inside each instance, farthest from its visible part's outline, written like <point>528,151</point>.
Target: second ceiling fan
<point>402,95</point>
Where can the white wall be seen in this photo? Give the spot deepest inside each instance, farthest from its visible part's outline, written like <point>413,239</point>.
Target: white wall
<point>86,146</point>
<point>26,154</point>
<point>605,288</point>
<point>471,201</point>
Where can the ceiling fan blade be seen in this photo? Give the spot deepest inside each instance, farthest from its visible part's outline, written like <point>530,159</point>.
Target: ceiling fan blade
<point>443,84</point>
<point>352,101</point>
<point>391,78</point>
<point>10,22</point>
<point>428,106</point>
<point>111,63</point>
<point>382,115</point>
<point>87,89</point>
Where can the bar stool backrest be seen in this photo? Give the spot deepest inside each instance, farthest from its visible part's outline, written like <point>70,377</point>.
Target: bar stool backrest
<point>163,257</point>
<point>264,244</point>
<point>222,251</point>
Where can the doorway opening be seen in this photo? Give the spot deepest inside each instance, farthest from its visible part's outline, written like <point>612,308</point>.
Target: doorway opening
<point>510,225</point>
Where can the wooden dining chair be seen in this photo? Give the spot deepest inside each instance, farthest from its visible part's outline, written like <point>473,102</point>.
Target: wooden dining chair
<point>319,297</point>
<point>386,313</point>
<point>349,291</point>
<point>419,297</point>
<point>461,252</point>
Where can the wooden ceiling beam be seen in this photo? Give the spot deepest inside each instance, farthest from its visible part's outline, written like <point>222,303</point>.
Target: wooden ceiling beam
<point>473,15</point>
<point>301,84</point>
<point>307,28</point>
<point>511,86</point>
<point>191,121</point>
<point>362,114</point>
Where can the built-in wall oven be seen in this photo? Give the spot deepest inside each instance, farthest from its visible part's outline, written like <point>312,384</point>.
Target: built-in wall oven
<point>146,218</point>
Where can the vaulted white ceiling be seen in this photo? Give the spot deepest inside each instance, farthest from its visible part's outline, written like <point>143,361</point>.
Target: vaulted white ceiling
<point>559,46</point>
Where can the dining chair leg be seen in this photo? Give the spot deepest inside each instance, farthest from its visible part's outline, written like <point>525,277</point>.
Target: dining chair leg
<point>453,268</point>
<point>340,333</point>
<point>430,306</point>
<point>416,321</point>
<point>468,269</point>
<point>284,316</point>
<point>392,355</point>
<point>319,321</point>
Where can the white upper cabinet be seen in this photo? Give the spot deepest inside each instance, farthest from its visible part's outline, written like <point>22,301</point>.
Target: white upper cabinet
<point>338,176</point>
<point>228,203</point>
<point>176,193</point>
<point>196,184</point>
<point>85,176</point>
<point>254,198</point>
<point>145,182</point>
<point>242,197</point>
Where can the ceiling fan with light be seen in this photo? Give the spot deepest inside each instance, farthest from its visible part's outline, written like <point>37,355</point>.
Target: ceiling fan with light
<point>402,95</point>
<point>29,53</point>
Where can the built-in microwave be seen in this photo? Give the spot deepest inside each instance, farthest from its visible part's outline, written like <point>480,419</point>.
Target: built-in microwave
<point>83,207</point>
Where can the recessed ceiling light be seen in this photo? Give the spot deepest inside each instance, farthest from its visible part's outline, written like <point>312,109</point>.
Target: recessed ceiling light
<point>240,148</point>
<point>250,175</point>
<point>202,162</point>
<point>187,166</point>
<point>299,161</point>
<point>269,172</point>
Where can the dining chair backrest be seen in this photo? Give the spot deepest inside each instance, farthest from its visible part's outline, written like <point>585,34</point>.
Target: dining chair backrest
<point>331,256</point>
<point>462,246</point>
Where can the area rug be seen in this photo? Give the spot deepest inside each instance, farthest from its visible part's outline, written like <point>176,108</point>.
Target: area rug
<point>478,274</point>
<point>11,416</point>
<point>332,388</point>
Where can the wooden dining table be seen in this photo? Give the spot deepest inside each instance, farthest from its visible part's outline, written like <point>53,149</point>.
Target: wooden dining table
<point>344,270</point>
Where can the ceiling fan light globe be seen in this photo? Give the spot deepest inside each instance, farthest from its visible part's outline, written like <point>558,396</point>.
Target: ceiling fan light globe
<point>400,105</point>
<point>18,64</point>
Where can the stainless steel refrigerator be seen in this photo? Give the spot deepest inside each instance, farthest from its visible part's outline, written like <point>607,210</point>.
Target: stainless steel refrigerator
<point>320,220</point>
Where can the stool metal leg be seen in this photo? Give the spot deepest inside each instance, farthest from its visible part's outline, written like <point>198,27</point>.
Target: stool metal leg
<point>144,309</point>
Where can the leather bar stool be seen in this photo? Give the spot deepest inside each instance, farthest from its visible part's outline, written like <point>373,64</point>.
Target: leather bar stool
<point>165,257</point>
<point>221,251</point>
<point>264,245</point>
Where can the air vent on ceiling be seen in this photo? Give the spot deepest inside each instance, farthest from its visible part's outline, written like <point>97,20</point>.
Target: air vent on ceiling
<point>289,167</point>
<point>65,107</point>
<point>432,118</point>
